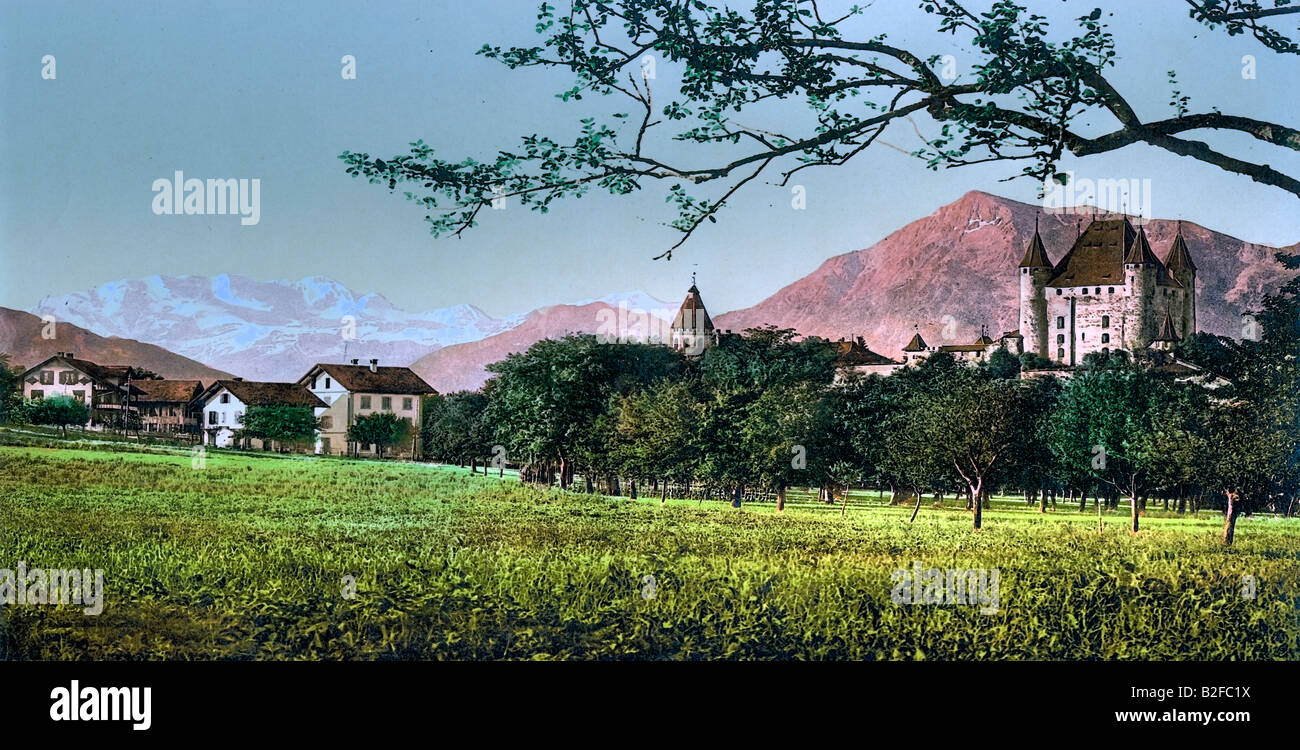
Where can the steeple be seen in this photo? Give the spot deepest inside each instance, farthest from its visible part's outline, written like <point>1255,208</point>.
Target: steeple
<point>1035,254</point>
<point>1179,258</point>
<point>692,329</point>
<point>917,344</point>
<point>1139,251</point>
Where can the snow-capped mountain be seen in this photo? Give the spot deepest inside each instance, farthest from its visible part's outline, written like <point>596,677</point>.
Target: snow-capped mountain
<point>275,330</point>
<point>267,330</point>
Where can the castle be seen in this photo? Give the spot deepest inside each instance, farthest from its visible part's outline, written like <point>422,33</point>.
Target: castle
<point>1110,291</point>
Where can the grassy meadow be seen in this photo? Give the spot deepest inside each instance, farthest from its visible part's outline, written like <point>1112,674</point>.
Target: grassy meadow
<point>245,558</point>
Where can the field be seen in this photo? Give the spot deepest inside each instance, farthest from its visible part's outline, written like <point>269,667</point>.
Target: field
<point>245,558</point>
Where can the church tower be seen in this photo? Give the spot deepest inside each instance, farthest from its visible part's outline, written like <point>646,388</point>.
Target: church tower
<point>1179,263</point>
<point>1035,271</point>
<point>692,330</point>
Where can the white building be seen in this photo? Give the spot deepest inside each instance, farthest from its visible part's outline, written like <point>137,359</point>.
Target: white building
<point>224,403</point>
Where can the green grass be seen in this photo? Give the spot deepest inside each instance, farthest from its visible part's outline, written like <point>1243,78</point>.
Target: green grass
<point>244,559</point>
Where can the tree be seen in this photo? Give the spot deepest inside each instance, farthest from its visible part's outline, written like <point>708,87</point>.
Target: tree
<point>59,411</point>
<point>1034,95</point>
<point>11,391</point>
<point>454,429</point>
<point>282,423</point>
<point>979,426</point>
<point>382,429</point>
<point>784,436</point>
<point>1105,424</point>
<point>1003,365</point>
<point>656,429</point>
<point>545,401</point>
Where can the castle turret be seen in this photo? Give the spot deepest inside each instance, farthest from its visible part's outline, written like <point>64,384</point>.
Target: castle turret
<point>1140,269</point>
<point>1180,266</point>
<point>1035,271</point>
<point>1167,338</point>
<point>692,330</point>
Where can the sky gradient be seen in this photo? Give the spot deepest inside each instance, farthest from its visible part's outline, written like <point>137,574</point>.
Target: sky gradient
<point>253,90</point>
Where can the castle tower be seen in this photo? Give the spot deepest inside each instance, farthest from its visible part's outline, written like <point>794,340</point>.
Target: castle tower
<point>1167,338</point>
<point>1140,270</point>
<point>692,330</point>
<point>1035,271</point>
<point>1179,263</point>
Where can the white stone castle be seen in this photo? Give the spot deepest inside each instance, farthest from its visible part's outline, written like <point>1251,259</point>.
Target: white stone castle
<point>1109,292</point>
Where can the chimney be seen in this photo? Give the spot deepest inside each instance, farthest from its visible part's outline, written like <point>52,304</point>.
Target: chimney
<point>355,361</point>
<point>70,355</point>
<point>374,364</point>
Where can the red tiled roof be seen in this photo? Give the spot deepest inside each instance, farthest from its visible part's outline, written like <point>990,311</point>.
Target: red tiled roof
<point>359,379</point>
<point>265,394</point>
<point>168,390</point>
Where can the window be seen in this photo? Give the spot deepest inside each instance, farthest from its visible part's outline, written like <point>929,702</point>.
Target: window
<point>79,395</point>
<point>212,417</point>
<point>1110,290</point>
<point>1060,354</point>
<point>225,398</point>
<point>223,417</point>
<point>239,415</point>
<point>1105,350</point>
<point>1105,321</point>
<point>1060,321</point>
<point>365,402</point>
<point>67,377</point>
<point>326,423</point>
<point>386,403</point>
<point>325,445</point>
<point>47,377</point>
<point>1058,292</point>
<point>406,404</point>
<point>1098,290</point>
<point>1105,338</point>
<point>38,394</point>
<point>1060,338</point>
<point>327,384</point>
<point>1083,335</point>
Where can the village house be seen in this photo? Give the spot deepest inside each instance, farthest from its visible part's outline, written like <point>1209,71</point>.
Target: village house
<point>222,406</point>
<point>102,388</point>
<point>165,405</point>
<point>354,390</point>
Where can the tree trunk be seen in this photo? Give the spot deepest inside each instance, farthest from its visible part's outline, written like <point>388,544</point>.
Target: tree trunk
<point>1230,517</point>
<point>736,494</point>
<point>893,494</point>
<point>915,508</point>
<point>632,485</point>
<point>663,492</point>
<point>1135,509</point>
<point>977,491</point>
<point>1042,502</point>
<point>780,499</point>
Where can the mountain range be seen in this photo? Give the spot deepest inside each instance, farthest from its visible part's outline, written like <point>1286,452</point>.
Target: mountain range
<point>946,275</point>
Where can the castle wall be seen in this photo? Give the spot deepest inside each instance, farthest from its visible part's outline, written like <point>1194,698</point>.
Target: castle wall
<point>1081,321</point>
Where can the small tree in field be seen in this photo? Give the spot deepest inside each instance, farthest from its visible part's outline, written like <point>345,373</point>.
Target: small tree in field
<point>384,429</point>
<point>294,425</point>
<point>59,411</point>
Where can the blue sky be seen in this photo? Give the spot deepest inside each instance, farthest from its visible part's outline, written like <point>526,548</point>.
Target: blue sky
<point>252,90</point>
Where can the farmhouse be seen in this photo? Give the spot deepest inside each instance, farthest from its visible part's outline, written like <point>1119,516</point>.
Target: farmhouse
<point>222,406</point>
<point>855,357</point>
<point>349,391</point>
<point>103,388</point>
<point>164,405</point>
